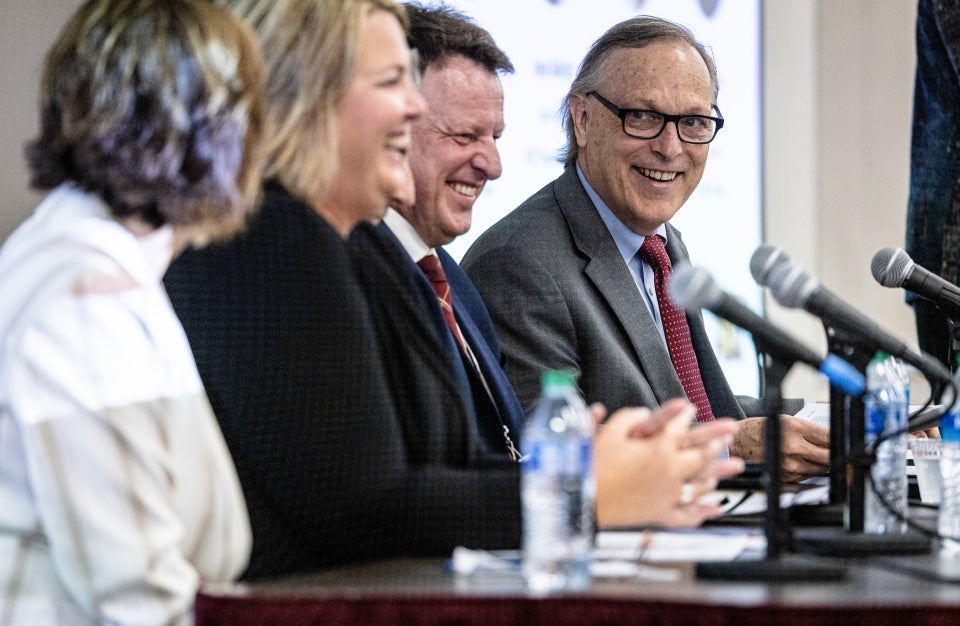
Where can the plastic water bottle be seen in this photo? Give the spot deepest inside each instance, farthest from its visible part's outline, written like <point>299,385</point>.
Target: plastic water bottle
<point>901,372</point>
<point>948,521</point>
<point>886,412</point>
<point>557,488</point>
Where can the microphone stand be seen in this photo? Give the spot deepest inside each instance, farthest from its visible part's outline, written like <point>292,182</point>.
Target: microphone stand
<point>953,348</point>
<point>847,435</point>
<point>858,353</point>
<point>775,565</point>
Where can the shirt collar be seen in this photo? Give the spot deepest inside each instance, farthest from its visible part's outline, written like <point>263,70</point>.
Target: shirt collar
<point>409,238</point>
<point>628,242</point>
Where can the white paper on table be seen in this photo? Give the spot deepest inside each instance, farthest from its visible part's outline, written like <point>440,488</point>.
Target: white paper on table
<point>666,546</point>
<point>814,490</point>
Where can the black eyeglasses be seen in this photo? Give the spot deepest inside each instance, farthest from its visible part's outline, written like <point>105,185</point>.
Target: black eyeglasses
<point>648,124</point>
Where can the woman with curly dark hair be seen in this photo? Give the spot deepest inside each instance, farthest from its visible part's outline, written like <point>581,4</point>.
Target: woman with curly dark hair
<point>118,492</point>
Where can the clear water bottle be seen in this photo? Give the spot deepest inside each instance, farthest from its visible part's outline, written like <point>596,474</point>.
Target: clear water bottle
<point>886,412</point>
<point>557,488</point>
<point>948,521</point>
<point>900,369</point>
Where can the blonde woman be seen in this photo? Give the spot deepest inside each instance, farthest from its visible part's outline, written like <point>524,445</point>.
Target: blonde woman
<point>280,330</point>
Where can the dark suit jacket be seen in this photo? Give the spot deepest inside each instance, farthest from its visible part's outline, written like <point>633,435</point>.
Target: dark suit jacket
<point>561,297</point>
<point>478,331</point>
<point>335,468</point>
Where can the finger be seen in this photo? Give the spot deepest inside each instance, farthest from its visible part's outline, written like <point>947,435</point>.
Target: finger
<point>599,412</point>
<point>624,421</point>
<point>699,487</point>
<point>723,428</point>
<point>719,469</point>
<point>801,451</point>
<point>702,511</point>
<point>817,435</point>
<point>694,463</point>
<point>795,470</point>
<point>664,414</point>
<point>692,515</point>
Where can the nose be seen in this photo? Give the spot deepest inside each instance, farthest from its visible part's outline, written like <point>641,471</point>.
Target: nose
<point>487,159</point>
<point>668,143</point>
<point>416,105</point>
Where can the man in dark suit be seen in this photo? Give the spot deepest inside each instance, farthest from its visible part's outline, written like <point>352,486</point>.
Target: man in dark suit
<point>567,276</point>
<point>452,155</point>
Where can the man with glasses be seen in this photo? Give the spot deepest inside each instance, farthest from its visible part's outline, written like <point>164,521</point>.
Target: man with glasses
<point>574,278</point>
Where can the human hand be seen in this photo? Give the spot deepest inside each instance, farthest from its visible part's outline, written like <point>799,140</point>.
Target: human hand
<point>650,470</point>
<point>653,422</point>
<point>928,433</point>
<point>804,448</point>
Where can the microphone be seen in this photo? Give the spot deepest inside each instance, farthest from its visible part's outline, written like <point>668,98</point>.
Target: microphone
<point>794,287</point>
<point>893,267</point>
<point>693,289</point>
<point>764,260</point>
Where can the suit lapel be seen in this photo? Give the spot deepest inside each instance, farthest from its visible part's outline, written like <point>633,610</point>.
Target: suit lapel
<point>439,327</point>
<point>508,405</point>
<point>610,275</point>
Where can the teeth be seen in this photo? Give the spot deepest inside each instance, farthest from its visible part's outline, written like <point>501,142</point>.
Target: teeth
<point>658,175</point>
<point>466,190</point>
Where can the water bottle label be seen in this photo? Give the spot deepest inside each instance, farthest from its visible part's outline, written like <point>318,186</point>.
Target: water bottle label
<point>950,426</point>
<point>558,458</point>
<point>875,419</point>
<point>586,454</point>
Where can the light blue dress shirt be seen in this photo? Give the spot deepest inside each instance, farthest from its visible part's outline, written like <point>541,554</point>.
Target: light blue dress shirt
<point>628,243</point>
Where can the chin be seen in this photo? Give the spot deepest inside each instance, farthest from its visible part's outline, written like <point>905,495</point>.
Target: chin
<point>379,210</point>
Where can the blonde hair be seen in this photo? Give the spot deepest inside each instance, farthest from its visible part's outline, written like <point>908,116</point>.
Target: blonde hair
<point>157,107</point>
<point>310,50</point>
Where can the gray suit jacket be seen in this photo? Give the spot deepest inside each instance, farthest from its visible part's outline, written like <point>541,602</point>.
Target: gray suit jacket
<point>562,298</point>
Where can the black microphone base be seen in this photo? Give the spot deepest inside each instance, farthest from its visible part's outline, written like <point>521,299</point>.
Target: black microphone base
<point>816,515</point>
<point>782,568</point>
<point>840,542</point>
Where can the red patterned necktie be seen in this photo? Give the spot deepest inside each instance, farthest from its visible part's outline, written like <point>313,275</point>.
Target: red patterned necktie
<point>431,268</point>
<point>675,329</point>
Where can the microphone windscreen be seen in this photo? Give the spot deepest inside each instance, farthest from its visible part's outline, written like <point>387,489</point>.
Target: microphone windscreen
<point>764,260</point>
<point>791,285</point>
<point>693,288</point>
<point>890,266</point>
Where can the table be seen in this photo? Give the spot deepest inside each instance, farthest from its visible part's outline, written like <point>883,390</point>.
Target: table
<point>424,591</point>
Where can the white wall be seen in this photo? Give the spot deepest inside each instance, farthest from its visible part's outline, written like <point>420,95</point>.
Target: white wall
<point>27,28</point>
<point>838,100</point>
<point>838,84</point>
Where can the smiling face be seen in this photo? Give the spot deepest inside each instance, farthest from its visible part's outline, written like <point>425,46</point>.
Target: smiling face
<point>644,181</point>
<point>375,116</point>
<point>453,152</point>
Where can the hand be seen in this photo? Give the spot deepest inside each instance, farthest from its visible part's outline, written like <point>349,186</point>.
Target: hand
<point>652,469</point>
<point>805,447</point>
<point>929,433</point>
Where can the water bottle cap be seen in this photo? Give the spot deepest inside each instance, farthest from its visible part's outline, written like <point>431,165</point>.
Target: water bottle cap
<point>557,378</point>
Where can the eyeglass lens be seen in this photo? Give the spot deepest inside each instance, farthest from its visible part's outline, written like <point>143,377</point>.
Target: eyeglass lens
<point>649,124</point>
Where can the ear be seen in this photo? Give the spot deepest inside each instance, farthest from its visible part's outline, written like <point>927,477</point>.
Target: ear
<point>577,104</point>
